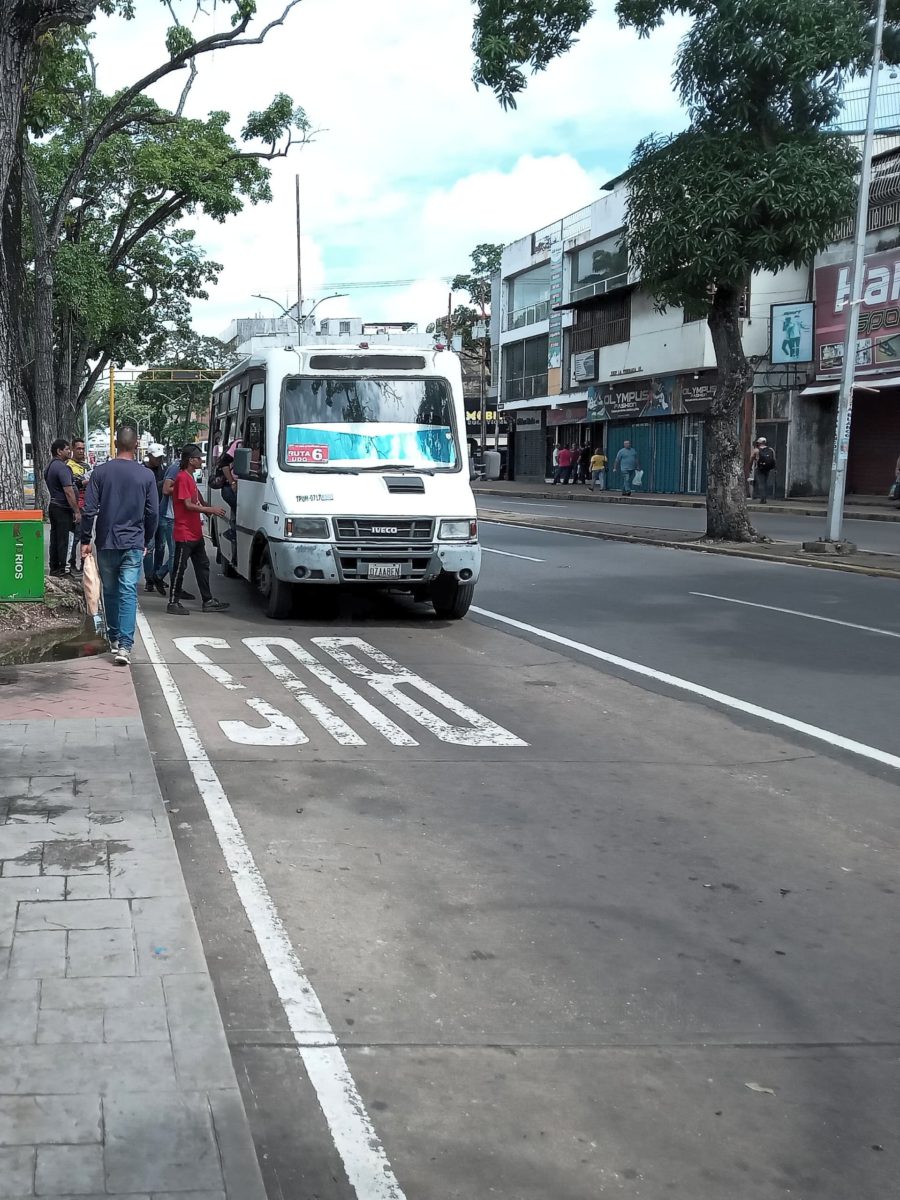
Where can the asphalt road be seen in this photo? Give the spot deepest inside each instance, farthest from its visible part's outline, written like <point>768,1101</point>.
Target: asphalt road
<point>576,933</point>
<point>882,537</point>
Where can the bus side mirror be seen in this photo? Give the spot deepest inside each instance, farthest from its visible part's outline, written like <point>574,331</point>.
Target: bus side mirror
<point>241,465</point>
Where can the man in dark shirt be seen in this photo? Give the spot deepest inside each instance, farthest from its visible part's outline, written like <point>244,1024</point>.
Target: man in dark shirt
<point>63,511</point>
<point>155,566</point>
<point>121,498</point>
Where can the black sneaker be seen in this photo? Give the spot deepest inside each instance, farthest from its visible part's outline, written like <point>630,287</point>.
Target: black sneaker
<point>148,586</point>
<point>178,610</point>
<point>186,596</point>
<point>216,605</point>
<point>160,585</point>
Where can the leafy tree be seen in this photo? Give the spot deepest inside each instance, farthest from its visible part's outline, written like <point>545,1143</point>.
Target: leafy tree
<point>39,58</point>
<point>477,282</point>
<point>754,183</point>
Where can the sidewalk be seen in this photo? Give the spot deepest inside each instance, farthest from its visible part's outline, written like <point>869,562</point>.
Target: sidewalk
<point>115,1074</point>
<point>861,562</point>
<point>859,508</point>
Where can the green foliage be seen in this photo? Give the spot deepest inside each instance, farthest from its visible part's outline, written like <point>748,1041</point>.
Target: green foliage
<point>275,122</point>
<point>178,39</point>
<point>525,33</point>
<point>477,282</point>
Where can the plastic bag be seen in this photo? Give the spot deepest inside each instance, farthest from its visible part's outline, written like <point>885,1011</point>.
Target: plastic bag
<point>90,581</point>
<point>638,479</point>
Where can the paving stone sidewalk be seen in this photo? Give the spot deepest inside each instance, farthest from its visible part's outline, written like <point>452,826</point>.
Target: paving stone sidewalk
<point>115,1075</point>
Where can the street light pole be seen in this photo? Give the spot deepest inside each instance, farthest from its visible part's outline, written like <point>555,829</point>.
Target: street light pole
<point>299,260</point>
<point>835,516</point>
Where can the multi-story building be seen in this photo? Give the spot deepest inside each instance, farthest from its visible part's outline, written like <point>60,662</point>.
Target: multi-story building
<point>583,354</point>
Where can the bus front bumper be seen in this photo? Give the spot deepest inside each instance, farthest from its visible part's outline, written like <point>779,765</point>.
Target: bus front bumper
<point>379,565</point>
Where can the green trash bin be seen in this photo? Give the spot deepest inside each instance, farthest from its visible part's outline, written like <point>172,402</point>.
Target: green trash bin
<point>22,554</point>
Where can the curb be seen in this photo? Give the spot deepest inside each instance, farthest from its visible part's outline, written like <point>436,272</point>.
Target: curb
<point>578,497</point>
<point>502,518</point>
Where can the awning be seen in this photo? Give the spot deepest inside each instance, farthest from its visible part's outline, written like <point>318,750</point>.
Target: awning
<point>866,383</point>
<point>517,405</point>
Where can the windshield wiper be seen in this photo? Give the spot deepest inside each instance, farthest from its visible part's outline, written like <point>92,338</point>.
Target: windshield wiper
<point>389,466</point>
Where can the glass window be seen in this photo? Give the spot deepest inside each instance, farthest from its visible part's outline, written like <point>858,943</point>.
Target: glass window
<point>600,267</point>
<point>234,397</point>
<point>344,327</point>
<point>530,287</point>
<point>257,397</point>
<point>525,369</point>
<point>364,424</point>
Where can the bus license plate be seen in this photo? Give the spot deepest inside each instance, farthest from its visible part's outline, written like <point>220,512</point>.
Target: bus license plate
<point>385,570</point>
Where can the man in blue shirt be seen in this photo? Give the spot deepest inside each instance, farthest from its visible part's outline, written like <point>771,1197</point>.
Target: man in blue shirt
<point>121,499</point>
<point>63,511</point>
<point>627,462</point>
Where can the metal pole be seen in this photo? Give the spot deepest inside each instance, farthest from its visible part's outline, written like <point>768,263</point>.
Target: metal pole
<point>112,411</point>
<point>86,432</point>
<point>299,261</point>
<point>483,406</point>
<point>835,517</point>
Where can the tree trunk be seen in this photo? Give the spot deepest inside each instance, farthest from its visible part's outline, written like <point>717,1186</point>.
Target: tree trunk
<point>43,417</point>
<point>14,62</point>
<point>726,489</point>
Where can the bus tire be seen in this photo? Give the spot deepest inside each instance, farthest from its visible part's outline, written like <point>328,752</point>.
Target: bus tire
<point>278,596</point>
<point>450,598</point>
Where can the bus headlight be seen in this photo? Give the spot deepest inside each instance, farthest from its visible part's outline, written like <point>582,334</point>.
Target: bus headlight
<point>314,529</point>
<point>458,531</point>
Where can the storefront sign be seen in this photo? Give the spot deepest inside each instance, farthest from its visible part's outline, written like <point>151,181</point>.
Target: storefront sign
<point>554,334</point>
<point>661,396</point>
<point>878,343</point>
<point>584,366</point>
<point>529,420</point>
<point>569,414</point>
<point>791,334</point>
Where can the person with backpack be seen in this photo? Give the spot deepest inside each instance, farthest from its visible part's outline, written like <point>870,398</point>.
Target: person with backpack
<point>762,465</point>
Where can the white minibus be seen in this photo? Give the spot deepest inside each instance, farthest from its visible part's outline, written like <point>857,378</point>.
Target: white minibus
<point>351,468</point>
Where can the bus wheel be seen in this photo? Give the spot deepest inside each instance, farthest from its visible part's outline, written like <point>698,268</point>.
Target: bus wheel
<point>451,599</point>
<point>277,595</point>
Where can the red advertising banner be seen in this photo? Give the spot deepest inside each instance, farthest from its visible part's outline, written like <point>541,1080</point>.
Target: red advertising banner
<point>878,338</point>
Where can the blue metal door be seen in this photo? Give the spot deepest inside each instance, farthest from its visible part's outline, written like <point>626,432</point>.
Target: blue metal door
<point>665,463</point>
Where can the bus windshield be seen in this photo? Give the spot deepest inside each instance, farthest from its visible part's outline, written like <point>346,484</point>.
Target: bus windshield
<point>368,424</point>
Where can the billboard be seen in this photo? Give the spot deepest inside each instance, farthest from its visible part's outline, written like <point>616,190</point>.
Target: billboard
<point>791,336</point>
<point>659,396</point>
<point>878,336</point>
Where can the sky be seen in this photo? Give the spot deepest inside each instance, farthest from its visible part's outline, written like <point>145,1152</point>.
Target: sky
<point>411,167</point>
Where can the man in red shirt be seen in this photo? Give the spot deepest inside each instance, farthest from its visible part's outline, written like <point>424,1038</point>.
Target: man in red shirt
<point>188,530</point>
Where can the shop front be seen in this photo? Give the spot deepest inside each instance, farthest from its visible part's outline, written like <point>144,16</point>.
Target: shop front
<point>529,446</point>
<point>662,417</point>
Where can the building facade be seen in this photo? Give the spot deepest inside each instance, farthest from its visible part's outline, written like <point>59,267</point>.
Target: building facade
<point>583,356</point>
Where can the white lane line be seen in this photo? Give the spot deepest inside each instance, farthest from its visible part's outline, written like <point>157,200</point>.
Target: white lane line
<point>537,504</point>
<point>793,612</point>
<point>368,1170</point>
<point>509,554</point>
<point>685,685</point>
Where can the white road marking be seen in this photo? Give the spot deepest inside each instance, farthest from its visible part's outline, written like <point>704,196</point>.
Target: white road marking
<point>384,725</point>
<point>330,721</point>
<point>793,612</point>
<point>479,730</point>
<point>367,1166</point>
<point>188,647</point>
<point>509,554</point>
<point>280,731</point>
<point>744,706</point>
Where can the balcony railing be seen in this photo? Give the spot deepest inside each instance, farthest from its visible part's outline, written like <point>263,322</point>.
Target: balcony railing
<point>529,315</point>
<point>606,334</point>
<point>600,287</point>
<point>525,387</point>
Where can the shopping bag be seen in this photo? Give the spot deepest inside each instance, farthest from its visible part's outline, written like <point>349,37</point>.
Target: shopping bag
<point>90,581</point>
<point>894,493</point>
<point>638,479</point>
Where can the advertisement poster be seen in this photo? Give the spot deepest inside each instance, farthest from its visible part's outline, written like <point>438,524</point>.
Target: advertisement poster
<point>878,337</point>
<point>792,333</point>
<point>659,396</point>
<point>554,337</point>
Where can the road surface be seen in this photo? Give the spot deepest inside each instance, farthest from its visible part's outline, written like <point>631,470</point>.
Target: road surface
<point>489,916</point>
<point>882,537</point>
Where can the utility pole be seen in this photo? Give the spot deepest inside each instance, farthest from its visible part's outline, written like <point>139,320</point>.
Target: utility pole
<point>299,261</point>
<point>112,411</point>
<point>835,517</point>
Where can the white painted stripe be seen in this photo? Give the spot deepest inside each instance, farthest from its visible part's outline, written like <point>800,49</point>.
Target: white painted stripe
<point>368,1170</point>
<point>479,730</point>
<point>280,730</point>
<point>793,612</point>
<point>188,647</point>
<point>329,720</point>
<point>697,689</point>
<point>509,554</point>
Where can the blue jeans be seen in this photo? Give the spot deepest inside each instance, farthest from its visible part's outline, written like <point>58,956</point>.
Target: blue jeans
<point>120,571</point>
<point>155,557</point>
<point>627,477</point>
<point>166,531</point>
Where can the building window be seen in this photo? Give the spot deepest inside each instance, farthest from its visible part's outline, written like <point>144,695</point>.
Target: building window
<point>528,297</point>
<point>700,311</point>
<point>605,323</point>
<point>600,268</point>
<point>525,369</point>
<point>344,327</point>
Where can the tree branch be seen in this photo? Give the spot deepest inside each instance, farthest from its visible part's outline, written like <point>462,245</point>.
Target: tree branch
<point>151,222</point>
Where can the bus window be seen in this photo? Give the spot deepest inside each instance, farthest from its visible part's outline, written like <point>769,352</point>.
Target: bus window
<point>257,400</point>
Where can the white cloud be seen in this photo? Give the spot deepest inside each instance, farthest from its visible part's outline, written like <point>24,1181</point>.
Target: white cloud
<point>412,167</point>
